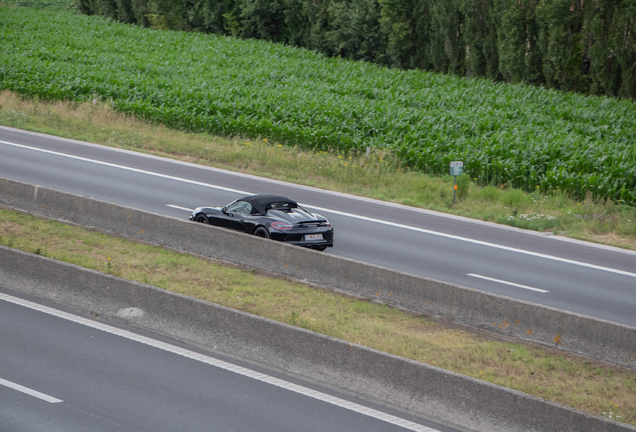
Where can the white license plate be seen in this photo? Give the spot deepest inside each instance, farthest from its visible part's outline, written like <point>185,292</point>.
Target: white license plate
<point>309,237</point>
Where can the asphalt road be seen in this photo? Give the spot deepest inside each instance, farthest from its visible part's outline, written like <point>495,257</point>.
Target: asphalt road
<point>66,372</point>
<point>571,275</point>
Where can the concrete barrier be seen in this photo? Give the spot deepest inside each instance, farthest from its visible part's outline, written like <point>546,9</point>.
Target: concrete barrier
<point>445,397</point>
<point>575,333</point>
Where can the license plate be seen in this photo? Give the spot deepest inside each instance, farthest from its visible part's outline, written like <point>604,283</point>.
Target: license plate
<point>309,237</point>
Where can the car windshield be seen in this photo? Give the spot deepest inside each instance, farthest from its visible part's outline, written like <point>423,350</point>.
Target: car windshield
<point>241,207</point>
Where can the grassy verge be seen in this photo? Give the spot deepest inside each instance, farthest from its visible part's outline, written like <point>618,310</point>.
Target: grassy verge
<point>376,176</point>
<point>587,385</point>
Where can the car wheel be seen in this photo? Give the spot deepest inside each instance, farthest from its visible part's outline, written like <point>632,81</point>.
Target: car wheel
<point>321,248</point>
<point>261,232</point>
<point>202,218</point>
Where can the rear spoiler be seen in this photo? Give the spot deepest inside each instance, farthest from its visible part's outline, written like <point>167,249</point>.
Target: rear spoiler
<point>311,221</point>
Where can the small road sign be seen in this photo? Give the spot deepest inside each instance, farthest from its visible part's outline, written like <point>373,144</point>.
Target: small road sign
<point>456,168</point>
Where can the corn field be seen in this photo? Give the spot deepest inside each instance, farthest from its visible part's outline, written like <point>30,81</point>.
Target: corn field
<point>526,137</point>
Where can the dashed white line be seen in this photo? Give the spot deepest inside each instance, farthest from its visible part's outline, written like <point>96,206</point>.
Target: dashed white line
<point>179,207</point>
<point>29,391</point>
<point>351,215</point>
<point>406,424</point>
<point>508,283</point>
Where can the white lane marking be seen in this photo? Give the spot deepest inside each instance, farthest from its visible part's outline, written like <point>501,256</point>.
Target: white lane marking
<point>112,165</point>
<point>507,283</point>
<point>479,242</point>
<point>351,215</point>
<point>179,208</point>
<point>29,391</point>
<point>221,364</point>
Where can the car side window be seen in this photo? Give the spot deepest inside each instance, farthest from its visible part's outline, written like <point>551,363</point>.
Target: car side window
<point>241,207</point>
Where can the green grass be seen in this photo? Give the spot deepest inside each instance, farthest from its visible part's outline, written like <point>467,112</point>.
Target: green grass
<point>377,176</point>
<point>573,381</point>
<point>518,135</point>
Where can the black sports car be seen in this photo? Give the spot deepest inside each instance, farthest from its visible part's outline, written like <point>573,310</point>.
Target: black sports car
<point>270,216</point>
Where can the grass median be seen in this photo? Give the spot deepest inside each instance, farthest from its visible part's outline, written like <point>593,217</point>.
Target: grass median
<point>588,385</point>
<point>377,175</point>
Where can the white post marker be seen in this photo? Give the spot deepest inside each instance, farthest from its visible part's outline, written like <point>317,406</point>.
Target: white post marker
<point>456,168</point>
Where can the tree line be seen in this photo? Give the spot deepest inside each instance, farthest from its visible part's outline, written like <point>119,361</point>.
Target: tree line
<point>585,46</point>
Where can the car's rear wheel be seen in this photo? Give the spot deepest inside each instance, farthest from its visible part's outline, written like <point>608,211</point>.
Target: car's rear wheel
<point>261,232</point>
<point>202,218</point>
<point>321,248</point>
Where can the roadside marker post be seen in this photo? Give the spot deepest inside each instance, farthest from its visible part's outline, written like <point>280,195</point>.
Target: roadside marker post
<point>456,168</point>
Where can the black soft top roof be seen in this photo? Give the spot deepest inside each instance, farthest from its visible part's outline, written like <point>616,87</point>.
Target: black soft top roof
<point>262,203</point>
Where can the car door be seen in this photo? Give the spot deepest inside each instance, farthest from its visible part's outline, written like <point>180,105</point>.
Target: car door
<point>237,214</point>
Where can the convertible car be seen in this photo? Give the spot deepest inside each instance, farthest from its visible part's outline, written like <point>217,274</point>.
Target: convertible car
<point>270,216</point>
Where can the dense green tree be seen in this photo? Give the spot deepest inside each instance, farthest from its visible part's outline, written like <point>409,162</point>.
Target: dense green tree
<point>480,38</point>
<point>262,19</point>
<point>354,29</point>
<point>561,43</point>
<point>297,22</point>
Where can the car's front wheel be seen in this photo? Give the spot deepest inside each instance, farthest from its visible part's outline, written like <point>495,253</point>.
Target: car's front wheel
<point>261,232</point>
<point>202,219</point>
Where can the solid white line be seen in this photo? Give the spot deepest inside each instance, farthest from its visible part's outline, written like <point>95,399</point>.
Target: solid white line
<point>351,215</point>
<point>221,364</point>
<point>479,242</point>
<point>112,165</point>
<point>508,283</point>
<point>29,391</point>
<point>180,208</point>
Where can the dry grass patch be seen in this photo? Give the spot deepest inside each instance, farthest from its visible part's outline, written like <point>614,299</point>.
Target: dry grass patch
<point>587,385</point>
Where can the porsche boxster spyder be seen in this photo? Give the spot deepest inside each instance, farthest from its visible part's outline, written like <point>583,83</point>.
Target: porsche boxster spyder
<point>270,216</point>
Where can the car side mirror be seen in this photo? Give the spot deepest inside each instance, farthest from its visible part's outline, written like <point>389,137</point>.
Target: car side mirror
<point>224,210</point>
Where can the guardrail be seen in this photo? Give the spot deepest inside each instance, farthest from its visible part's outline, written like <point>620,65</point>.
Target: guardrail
<point>433,393</point>
<point>575,333</point>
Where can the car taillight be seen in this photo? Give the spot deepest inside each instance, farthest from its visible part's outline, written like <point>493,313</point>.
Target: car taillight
<point>281,225</point>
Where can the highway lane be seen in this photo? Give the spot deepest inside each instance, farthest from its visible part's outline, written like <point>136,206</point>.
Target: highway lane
<point>61,371</point>
<point>577,276</point>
